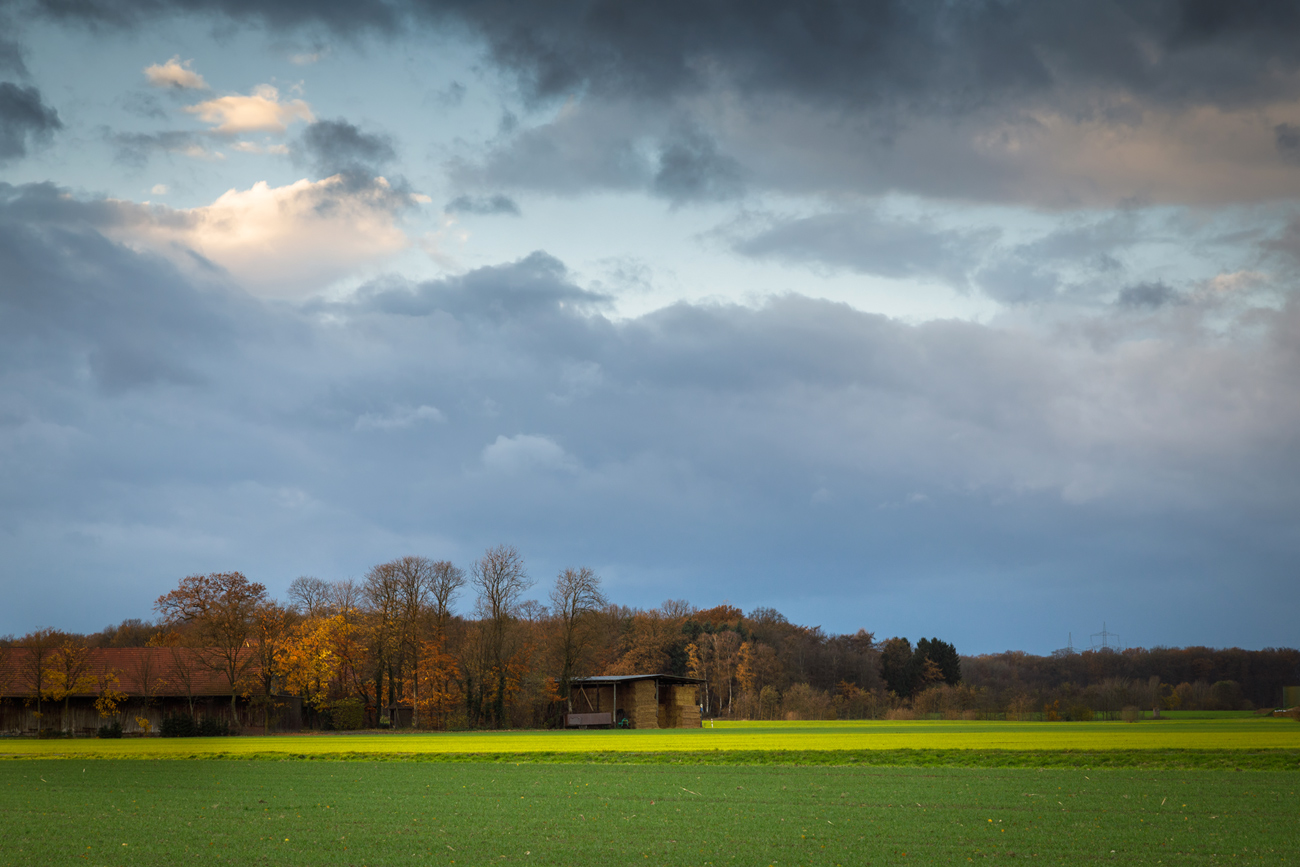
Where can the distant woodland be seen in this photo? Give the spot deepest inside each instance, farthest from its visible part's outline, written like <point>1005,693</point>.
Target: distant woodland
<point>388,650</point>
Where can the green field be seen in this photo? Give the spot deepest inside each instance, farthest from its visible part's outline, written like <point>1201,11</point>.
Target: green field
<point>1167,792</point>
<point>1217,734</point>
<point>380,813</point>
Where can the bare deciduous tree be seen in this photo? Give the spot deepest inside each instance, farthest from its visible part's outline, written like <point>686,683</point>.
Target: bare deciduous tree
<point>345,598</point>
<point>576,595</point>
<point>447,581</point>
<point>500,579</point>
<point>310,597</point>
<point>381,593</point>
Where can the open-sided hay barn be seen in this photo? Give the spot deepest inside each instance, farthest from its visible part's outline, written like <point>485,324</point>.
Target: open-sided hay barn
<point>645,701</point>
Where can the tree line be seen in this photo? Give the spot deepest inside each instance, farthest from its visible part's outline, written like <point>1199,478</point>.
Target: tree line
<point>390,649</point>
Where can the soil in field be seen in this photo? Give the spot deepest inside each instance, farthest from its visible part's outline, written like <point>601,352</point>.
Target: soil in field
<point>293,812</point>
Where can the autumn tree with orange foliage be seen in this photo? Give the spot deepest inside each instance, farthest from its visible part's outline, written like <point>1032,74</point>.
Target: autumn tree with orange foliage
<point>439,685</point>
<point>269,645</point>
<point>219,610</point>
<point>70,672</point>
<point>39,646</point>
<point>649,639</point>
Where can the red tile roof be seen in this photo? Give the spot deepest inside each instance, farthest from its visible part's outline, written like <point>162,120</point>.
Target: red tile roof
<point>139,670</point>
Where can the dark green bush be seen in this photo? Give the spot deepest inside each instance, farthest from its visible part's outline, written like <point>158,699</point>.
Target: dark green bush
<point>112,730</point>
<point>210,727</point>
<point>178,726</point>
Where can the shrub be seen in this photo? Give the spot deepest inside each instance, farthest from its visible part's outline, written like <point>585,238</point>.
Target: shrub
<point>347,714</point>
<point>112,730</point>
<point>178,726</point>
<point>49,734</point>
<point>803,702</point>
<point>1130,714</point>
<point>211,727</point>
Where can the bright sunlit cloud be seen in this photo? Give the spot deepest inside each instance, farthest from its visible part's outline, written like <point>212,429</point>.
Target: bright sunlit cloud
<point>284,241</point>
<point>175,73</point>
<point>260,111</point>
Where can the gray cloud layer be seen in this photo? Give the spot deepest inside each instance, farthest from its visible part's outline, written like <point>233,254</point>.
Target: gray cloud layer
<point>871,244</point>
<point>798,453</point>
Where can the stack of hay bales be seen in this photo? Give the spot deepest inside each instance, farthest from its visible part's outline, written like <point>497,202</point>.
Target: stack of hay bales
<point>686,711</point>
<point>645,708</point>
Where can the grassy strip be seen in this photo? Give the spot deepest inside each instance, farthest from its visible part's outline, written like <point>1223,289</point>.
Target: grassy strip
<point>1171,759</point>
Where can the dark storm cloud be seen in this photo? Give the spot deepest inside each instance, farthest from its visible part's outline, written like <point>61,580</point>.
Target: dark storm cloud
<point>1287,138</point>
<point>931,53</point>
<point>578,151</point>
<point>610,148</point>
<point>691,168</point>
<point>334,146</point>
<point>1055,105</point>
<point>11,55</point>
<point>869,243</point>
<point>341,16</point>
<point>131,321</point>
<point>483,205</point>
<point>25,119</point>
<point>1146,295</point>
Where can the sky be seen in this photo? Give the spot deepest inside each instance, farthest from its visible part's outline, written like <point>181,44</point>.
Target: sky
<point>974,320</point>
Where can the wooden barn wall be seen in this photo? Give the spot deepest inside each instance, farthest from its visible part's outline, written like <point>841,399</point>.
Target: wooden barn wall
<point>17,717</point>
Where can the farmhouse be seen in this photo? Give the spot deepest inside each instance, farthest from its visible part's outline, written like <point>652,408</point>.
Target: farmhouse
<point>639,701</point>
<point>142,683</point>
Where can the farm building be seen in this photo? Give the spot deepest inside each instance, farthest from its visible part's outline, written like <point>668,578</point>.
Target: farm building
<point>149,683</point>
<point>645,701</point>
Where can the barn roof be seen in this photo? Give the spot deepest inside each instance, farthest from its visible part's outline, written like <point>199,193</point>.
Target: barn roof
<point>625,678</point>
<point>155,671</point>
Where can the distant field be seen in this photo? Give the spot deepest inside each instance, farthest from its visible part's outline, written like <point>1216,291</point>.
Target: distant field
<point>143,813</point>
<point>1245,734</point>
